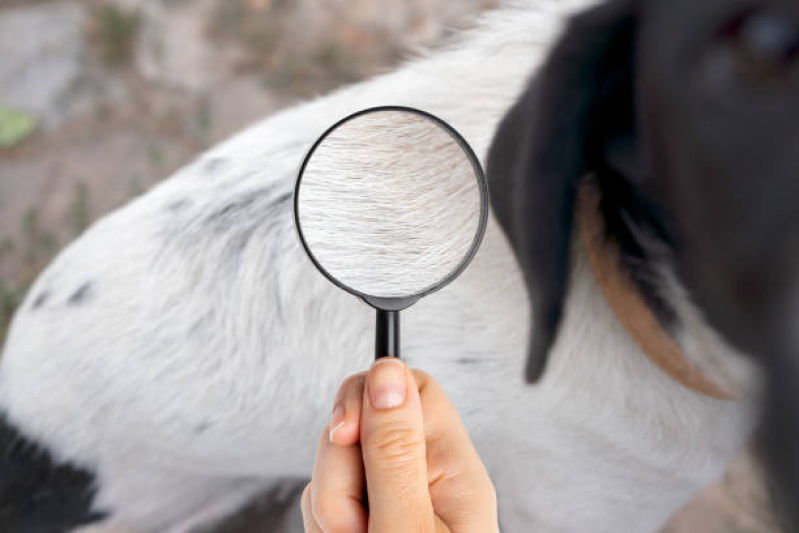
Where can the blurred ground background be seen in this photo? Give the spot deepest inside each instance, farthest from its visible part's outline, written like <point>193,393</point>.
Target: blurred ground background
<point>100,99</point>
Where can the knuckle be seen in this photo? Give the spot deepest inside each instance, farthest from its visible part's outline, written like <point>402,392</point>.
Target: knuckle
<point>427,384</point>
<point>421,374</point>
<point>351,386</point>
<point>397,444</point>
<point>422,378</point>
<point>354,381</point>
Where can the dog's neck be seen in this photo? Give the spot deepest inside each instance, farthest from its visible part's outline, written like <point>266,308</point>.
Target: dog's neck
<point>627,304</point>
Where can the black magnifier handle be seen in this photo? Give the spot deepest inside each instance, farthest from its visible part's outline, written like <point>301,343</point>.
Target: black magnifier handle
<point>387,334</point>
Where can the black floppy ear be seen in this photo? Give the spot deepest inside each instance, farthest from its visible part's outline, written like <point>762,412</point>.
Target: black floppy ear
<point>554,134</point>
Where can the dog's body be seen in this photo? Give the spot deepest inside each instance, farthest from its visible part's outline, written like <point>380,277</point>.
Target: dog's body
<point>185,353</point>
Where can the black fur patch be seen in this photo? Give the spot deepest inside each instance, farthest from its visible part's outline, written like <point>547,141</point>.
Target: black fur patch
<point>38,495</point>
<point>622,209</point>
<point>553,136</point>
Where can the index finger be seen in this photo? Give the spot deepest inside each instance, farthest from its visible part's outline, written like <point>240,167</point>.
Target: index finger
<point>337,488</point>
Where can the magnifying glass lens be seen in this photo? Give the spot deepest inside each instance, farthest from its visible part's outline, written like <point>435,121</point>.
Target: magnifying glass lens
<point>391,204</point>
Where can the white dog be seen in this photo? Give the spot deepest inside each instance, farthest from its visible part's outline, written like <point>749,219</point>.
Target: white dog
<point>181,357</point>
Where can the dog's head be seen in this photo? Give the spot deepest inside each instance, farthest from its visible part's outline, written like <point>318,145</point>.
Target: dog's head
<point>687,115</point>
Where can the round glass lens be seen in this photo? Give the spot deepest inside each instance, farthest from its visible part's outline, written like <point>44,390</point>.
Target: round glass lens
<point>390,203</point>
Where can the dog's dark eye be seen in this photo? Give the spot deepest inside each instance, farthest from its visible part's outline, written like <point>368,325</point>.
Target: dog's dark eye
<point>765,44</point>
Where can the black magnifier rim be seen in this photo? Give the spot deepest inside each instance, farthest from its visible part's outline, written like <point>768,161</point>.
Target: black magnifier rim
<point>401,302</point>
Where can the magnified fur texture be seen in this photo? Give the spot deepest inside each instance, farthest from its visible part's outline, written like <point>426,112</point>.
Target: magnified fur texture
<point>389,203</point>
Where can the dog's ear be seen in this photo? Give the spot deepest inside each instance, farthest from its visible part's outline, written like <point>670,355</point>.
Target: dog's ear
<point>560,129</point>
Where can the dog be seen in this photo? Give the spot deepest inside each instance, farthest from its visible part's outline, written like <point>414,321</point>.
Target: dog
<point>680,115</point>
<point>180,358</point>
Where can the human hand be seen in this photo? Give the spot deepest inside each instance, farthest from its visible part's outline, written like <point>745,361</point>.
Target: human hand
<point>395,435</point>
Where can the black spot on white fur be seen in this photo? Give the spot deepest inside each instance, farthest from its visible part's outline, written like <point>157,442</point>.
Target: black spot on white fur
<point>40,300</point>
<point>246,210</point>
<point>236,207</point>
<point>202,427</point>
<point>282,198</point>
<point>81,295</point>
<point>37,493</point>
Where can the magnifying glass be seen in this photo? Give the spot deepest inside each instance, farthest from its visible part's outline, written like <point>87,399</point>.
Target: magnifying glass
<point>391,204</point>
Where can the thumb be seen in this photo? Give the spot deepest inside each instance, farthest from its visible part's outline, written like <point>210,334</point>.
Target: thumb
<point>393,447</point>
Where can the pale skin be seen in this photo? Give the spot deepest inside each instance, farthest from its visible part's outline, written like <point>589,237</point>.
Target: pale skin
<point>395,436</point>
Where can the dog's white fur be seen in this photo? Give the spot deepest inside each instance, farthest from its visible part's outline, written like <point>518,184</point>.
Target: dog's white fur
<point>203,354</point>
<point>389,203</point>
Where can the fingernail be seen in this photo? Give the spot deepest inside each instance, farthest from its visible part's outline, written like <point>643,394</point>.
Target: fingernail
<point>336,421</point>
<point>386,384</point>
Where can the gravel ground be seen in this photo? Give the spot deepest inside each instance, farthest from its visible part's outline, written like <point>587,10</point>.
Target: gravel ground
<point>120,93</point>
